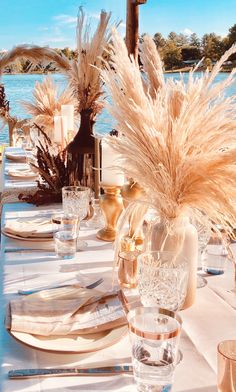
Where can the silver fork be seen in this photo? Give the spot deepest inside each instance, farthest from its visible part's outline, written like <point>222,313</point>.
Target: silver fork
<point>89,286</point>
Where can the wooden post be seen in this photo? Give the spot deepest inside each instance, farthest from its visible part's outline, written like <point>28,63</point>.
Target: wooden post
<point>132,24</point>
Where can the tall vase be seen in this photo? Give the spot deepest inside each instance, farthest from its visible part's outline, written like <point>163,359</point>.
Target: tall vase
<point>81,152</point>
<point>180,236</point>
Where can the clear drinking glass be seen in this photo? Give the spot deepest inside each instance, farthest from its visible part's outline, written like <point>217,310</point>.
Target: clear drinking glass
<point>154,335</point>
<point>65,244</point>
<point>204,234</point>
<point>97,220</point>
<point>226,366</point>
<point>214,260</point>
<point>75,200</point>
<point>66,222</point>
<point>162,279</point>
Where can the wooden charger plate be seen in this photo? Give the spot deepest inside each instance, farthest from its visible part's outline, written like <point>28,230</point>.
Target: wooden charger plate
<point>72,344</point>
<point>31,239</point>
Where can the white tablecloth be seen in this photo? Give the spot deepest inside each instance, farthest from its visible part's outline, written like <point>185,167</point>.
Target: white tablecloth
<point>205,324</point>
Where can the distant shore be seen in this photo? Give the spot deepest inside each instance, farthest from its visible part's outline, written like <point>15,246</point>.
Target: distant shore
<point>178,70</point>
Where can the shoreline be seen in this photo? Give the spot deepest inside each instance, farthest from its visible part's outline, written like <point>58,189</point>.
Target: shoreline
<point>179,70</point>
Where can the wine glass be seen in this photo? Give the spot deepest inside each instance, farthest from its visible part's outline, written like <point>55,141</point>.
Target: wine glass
<point>75,200</point>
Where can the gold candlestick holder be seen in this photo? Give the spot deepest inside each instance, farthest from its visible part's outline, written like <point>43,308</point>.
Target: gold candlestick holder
<point>111,204</point>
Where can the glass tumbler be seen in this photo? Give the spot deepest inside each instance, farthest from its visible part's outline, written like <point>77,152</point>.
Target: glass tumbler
<point>162,279</point>
<point>226,366</point>
<point>65,244</point>
<point>75,200</point>
<point>214,260</point>
<point>154,336</point>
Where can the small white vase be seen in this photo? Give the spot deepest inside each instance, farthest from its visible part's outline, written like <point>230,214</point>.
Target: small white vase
<point>180,236</point>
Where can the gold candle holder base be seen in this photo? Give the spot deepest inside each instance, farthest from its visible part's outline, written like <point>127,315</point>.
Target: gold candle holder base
<point>111,204</point>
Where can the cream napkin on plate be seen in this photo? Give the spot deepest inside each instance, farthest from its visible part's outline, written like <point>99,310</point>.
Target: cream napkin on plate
<point>65,311</point>
<point>29,228</point>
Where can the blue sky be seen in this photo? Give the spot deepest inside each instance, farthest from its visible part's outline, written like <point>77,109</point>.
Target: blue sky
<point>52,22</point>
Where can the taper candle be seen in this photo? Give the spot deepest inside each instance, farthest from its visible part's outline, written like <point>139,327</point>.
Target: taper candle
<point>110,176</point>
<point>68,110</point>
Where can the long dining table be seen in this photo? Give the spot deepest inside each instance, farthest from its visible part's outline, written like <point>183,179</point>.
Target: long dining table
<point>210,320</point>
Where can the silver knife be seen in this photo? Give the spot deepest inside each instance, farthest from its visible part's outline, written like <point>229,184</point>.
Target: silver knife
<point>60,372</point>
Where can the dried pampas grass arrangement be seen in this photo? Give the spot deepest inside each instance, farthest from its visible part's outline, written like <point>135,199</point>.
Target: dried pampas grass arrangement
<point>47,103</point>
<point>177,140</point>
<point>84,74</point>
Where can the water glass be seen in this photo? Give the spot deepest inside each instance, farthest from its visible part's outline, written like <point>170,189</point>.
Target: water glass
<point>226,366</point>
<point>154,335</point>
<point>75,200</point>
<point>214,260</point>
<point>65,244</point>
<point>162,279</point>
<point>97,220</point>
<point>66,222</point>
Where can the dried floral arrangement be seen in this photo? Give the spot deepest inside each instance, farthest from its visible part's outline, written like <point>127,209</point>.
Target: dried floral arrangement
<point>7,119</point>
<point>52,168</point>
<point>83,75</point>
<point>87,86</point>
<point>47,103</point>
<point>177,140</point>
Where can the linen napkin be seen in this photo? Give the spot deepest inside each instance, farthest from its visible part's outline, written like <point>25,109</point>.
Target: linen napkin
<point>65,311</point>
<point>29,228</point>
<point>22,174</point>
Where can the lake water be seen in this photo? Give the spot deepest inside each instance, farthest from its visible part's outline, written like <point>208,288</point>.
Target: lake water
<point>20,87</point>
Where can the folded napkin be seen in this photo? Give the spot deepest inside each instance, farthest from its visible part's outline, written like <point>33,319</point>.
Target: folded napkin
<point>22,174</point>
<point>29,228</point>
<point>19,157</point>
<point>65,311</point>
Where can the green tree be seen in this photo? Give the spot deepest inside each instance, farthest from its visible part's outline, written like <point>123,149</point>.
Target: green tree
<point>213,46</point>
<point>172,55</point>
<point>178,39</point>
<point>159,40</point>
<point>232,35</point>
<point>208,63</point>
<point>194,40</point>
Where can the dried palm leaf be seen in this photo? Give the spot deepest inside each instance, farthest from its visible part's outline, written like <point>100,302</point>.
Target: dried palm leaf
<point>178,141</point>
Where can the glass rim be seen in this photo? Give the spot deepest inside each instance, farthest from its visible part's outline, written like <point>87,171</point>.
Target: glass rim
<point>223,353</point>
<point>182,263</point>
<point>154,335</point>
<point>75,188</point>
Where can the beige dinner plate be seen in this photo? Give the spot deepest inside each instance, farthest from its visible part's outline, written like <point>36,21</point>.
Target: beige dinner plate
<point>34,239</point>
<point>72,344</point>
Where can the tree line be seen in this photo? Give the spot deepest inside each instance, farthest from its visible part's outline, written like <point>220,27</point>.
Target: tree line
<point>177,51</point>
